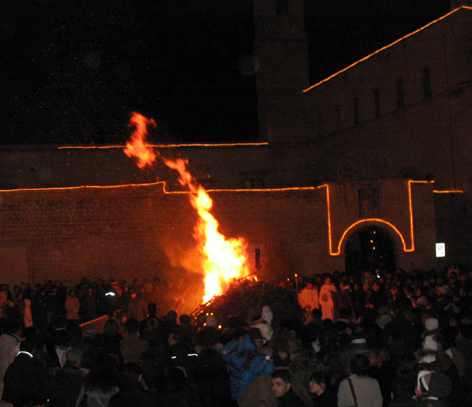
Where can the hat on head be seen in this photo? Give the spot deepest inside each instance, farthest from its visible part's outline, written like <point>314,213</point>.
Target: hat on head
<point>431,324</point>
<point>267,314</point>
<point>430,343</point>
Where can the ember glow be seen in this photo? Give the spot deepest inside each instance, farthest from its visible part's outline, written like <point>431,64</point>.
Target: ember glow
<point>222,260</point>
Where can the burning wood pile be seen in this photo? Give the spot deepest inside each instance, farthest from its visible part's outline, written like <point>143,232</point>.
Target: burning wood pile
<point>246,298</point>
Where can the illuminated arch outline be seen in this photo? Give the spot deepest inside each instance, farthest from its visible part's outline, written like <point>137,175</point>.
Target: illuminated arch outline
<point>378,220</point>
<point>328,205</point>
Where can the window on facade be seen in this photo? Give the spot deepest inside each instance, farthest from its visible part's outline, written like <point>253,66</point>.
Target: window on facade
<point>254,183</point>
<point>281,7</point>
<point>427,83</point>
<point>378,111</point>
<point>400,94</point>
<point>369,202</point>
<point>356,111</point>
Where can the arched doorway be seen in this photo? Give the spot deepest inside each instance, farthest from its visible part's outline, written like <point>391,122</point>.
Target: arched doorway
<point>368,249</point>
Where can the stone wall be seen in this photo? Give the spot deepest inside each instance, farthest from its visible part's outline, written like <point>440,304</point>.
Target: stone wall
<point>144,231</point>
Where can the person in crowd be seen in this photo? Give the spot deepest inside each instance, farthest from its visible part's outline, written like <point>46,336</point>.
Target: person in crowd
<point>383,371</point>
<point>132,392</point>
<point>137,306</point>
<point>282,388</point>
<point>212,380</point>
<point>150,328</point>
<point>244,362</point>
<point>132,346</point>
<point>9,344</point>
<point>322,389</point>
<point>25,378</point>
<point>64,383</point>
<point>111,338</point>
<point>404,384</point>
<point>326,299</point>
<point>308,299</point>
<point>359,388</point>
<point>260,392</point>
<point>72,306</point>
<point>101,383</point>
<point>357,346</point>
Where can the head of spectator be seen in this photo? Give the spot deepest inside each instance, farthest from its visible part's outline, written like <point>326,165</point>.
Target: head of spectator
<point>281,382</point>
<point>317,316</point>
<point>171,318</point>
<point>152,309</point>
<point>112,328</point>
<point>132,325</point>
<point>131,376</point>
<point>256,335</point>
<point>207,337</point>
<point>360,365</point>
<point>378,356</point>
<point>320,382</point>
<point>185,320</point>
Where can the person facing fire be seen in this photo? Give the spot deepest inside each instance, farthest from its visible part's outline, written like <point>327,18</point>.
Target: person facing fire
<point>150,327</point>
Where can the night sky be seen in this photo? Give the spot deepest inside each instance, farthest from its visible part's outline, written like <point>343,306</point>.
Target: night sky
<point>72,72</point>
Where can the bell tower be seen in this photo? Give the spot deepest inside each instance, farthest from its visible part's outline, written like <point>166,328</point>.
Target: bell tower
<point>281,52</point>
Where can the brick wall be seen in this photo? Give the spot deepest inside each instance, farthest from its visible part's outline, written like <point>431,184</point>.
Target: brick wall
<point>143,231</point>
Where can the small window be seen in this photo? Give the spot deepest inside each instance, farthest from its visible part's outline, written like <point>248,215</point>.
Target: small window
<point>369,203</point>
<point>281,7</point>
<point>356,111</point>
<point>378,110</point>
<point>400,94</point>
<point>427,84</point>
<point>254,183</point>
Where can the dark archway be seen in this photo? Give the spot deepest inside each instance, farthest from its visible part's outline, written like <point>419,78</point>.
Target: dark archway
<point>368,249</point>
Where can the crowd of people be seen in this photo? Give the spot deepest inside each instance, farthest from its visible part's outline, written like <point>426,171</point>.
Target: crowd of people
<point>375,339</point>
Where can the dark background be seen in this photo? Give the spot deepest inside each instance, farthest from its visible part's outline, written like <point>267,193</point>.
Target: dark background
<point>72,72</point>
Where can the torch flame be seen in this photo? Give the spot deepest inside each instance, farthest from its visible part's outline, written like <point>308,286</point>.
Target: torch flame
<point>222,259</point>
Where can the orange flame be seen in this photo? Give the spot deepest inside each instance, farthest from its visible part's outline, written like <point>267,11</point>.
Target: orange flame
<point>138,147</point>
<point>222,259</point>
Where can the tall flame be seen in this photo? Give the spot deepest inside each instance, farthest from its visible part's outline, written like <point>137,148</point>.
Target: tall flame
<point>222,259</point>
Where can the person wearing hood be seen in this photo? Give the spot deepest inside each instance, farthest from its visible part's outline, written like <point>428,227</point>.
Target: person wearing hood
<point>244,361</point>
